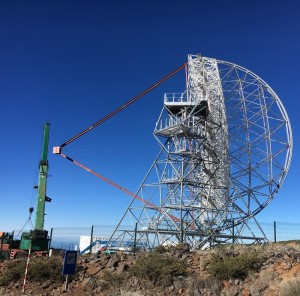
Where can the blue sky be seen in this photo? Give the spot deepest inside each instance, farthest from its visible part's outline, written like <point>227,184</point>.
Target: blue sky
<point>72,62</point>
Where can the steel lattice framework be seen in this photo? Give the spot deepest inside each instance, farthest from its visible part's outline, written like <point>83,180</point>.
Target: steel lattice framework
<point>225,149</point>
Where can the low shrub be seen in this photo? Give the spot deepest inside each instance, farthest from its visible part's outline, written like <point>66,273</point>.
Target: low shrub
<point>226,266</point>
<point>158,268</point>
<point>40,269</point>
<point>15,271</point>
<point>45,268</point>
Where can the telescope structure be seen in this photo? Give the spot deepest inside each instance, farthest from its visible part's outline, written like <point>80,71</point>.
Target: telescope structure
<point>225,146</point>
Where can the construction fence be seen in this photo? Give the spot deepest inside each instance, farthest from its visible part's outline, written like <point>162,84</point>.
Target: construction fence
<point>69,237</point>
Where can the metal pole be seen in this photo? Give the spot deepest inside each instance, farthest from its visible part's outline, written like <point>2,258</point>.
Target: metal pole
<point>232,231</point>
<point>2,237</point>
<point>181,205</point>
<point>134,244</point>
<point>50,239</point>
<point>275,232</point>
<point>11,242</point>
<point>26,269</point>
<point>66,282</point>
<point>91,240</point>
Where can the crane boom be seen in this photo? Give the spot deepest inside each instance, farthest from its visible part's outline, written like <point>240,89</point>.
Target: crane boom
<point>43,172</point>
<point>37,239</point>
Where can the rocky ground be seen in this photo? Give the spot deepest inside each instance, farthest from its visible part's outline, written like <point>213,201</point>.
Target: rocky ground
<point>108,275</point>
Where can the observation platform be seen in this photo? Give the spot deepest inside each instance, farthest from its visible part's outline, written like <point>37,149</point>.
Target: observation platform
<point>176,102</point>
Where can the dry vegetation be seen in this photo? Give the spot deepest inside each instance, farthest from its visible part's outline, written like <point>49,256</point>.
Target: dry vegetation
<point>261,270</point>
<point>41,269</point>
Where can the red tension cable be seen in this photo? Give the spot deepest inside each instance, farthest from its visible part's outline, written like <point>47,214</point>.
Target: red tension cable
<point>118,186</point>
<point>122,107</point>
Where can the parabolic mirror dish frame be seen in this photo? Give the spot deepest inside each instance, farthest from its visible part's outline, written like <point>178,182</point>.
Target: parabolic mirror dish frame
<point>259,136</point>
<point>225,149</point>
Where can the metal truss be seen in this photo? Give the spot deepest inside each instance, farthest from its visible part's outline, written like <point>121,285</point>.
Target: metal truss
<point>225,149</point>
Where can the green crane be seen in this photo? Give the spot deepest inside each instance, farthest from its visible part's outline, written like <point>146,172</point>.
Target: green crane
<point>38,237</point>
